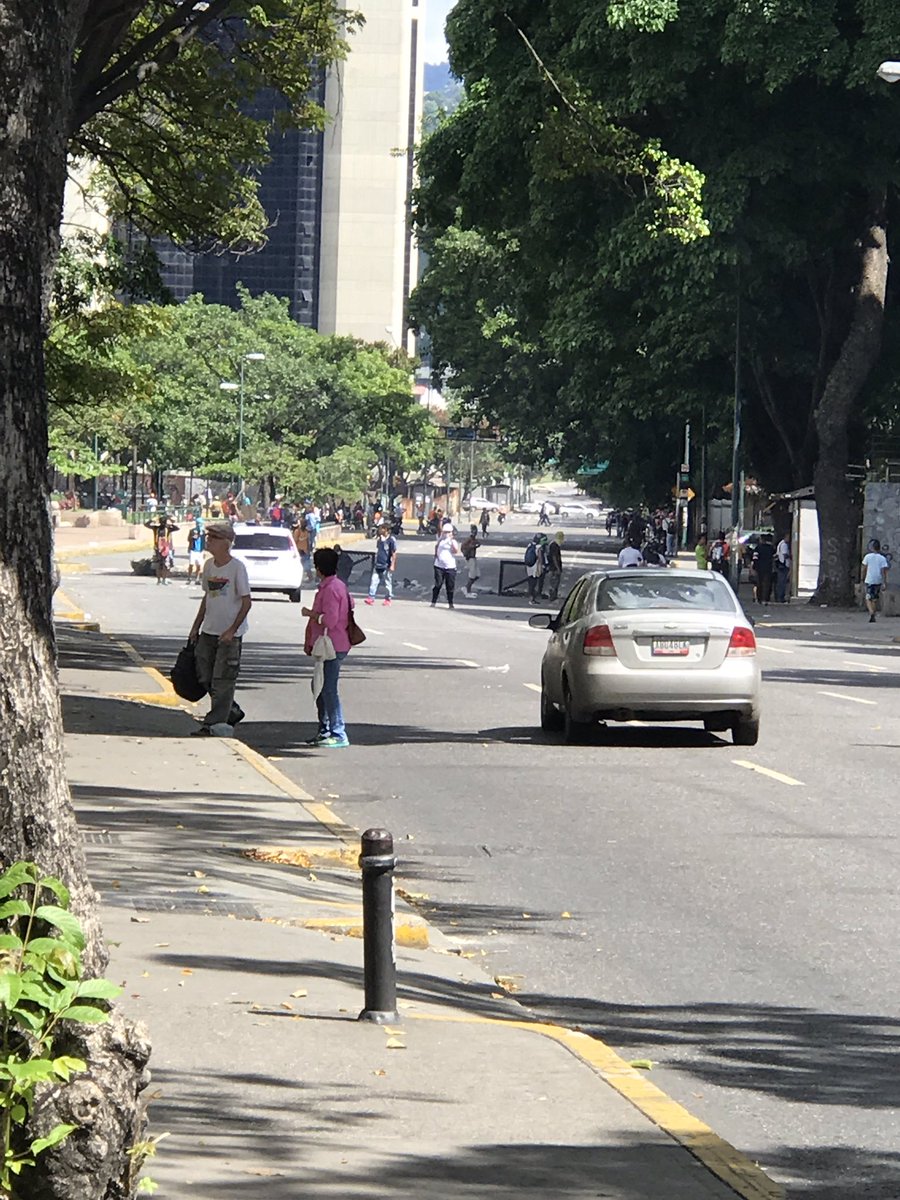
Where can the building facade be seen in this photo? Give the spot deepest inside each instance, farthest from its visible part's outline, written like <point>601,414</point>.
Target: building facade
<point>339,242</point>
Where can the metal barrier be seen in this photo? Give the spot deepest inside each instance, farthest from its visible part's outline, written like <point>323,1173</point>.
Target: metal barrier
<point>507,586</point>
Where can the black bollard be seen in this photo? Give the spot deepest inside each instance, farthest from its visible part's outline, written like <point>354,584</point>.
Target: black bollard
<point>377,862</point>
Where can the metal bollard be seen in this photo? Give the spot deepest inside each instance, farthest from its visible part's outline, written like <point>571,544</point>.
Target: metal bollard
<point>377,862</point>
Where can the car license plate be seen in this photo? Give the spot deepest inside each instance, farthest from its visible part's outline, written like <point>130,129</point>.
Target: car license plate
<point>670,648</point>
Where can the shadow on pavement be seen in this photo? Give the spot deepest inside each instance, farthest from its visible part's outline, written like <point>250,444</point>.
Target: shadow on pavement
<point>107,716</point>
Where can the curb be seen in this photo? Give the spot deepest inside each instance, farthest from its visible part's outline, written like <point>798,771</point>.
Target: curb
<point>74,553</point>
<point>71,616</point>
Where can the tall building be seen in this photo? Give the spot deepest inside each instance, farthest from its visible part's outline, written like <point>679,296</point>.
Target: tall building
<point>340,247</point>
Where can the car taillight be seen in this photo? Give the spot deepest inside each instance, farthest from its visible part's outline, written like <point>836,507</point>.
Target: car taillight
<point>743,642</point>
<point>598,640</point>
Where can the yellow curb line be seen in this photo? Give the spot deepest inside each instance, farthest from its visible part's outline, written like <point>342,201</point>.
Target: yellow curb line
<point>71,615</point>
<point>73,568</point>
<point>320,812</point>
<point>67,554</point>
<point>740,1173</point>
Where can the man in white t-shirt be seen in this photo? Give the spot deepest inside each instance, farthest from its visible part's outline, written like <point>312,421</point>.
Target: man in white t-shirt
<point>218,628</point>
<point>874,576</point>
<point>630,556</point>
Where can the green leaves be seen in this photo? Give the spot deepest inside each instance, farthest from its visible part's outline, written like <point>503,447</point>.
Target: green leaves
<point>40,986</point>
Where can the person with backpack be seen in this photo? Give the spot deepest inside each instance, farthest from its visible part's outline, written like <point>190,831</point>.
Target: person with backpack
<point>446,551</point>
<point>385,563</point>
<point>534,566</point>
<point>469,551</point>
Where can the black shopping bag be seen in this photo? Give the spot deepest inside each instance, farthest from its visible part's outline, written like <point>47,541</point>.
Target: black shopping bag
<point>184,675</point>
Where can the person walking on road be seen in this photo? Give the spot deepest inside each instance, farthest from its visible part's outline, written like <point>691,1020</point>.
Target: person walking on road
<point>535,565</point>
<point>196,542</point>
<point>469,550</point>
<point>874,575</point>
<point>446,550</point>
<point>782,570</point>
<point>485,522</point>
<point>218,629</point>
<point>330,613</point>
<point>544,514</point>
<point>385,564</point>
<point>163,549</point>
<point>553,573</point>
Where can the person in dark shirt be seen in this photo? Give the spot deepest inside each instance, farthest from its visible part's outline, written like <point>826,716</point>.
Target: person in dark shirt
<point>763,565</point>
<point>553,574</point>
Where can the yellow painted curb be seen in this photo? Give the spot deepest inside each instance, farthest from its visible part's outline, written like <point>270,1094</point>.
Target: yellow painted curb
<point>410,936</point>
<point>67,554</point>
<point>71,616</point>
<point>742,1175</point>
<point>319,812</point>
<point>73,568</point>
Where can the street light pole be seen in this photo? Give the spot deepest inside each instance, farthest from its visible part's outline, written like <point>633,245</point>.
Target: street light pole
<point>253,356</point>
<point>736,448</point>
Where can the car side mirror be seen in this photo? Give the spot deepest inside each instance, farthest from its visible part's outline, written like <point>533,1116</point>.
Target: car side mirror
<point>542,621</point>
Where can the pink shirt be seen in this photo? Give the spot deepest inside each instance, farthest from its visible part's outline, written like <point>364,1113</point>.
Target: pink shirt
<point>333,602</point>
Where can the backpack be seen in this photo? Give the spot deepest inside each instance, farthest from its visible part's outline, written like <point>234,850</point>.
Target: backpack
<point>530,554</point>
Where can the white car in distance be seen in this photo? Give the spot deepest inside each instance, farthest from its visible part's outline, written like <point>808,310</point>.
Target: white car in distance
<point>574,508</point>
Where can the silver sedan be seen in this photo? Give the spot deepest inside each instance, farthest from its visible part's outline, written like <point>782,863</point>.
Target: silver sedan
<point>650,645</point>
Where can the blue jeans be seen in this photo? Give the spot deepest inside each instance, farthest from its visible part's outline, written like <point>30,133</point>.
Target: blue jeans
<point>378,575</point>
<point>328,702</point>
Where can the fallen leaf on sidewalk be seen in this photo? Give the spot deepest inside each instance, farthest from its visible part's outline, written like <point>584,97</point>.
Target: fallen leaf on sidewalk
<point>202,890</point>
<point>394,1043</point>
<point>186,971</point>
<point>199,874</point>
<point>140,920</point>
<point>498,995</point>
<point>300,992</point>
<point>566,916</point>
<point>527,916</point>
<point>509,983</point>
<point>380,1072</point>
<point>161,945</point>
<point>642,1064</point>
<point>289,1007</point>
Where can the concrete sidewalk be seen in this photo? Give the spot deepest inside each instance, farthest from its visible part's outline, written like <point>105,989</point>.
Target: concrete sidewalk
<point>247,967</point>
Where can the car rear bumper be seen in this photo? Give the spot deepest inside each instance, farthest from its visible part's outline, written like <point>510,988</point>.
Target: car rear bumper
<point>606,689</point>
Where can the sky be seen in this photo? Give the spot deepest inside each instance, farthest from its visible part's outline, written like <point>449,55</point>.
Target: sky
<point>435,16</point>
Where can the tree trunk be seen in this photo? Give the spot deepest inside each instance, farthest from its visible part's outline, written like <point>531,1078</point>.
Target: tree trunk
<point>36,817</point>
<point>834,497</point>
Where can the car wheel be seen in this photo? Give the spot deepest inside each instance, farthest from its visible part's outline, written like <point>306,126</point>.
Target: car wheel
<point>745,731</point>
<point>551,717</point>
<point>574,731</point>
<point>296,595</point>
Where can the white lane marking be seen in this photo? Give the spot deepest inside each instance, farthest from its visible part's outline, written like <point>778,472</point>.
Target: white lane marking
<point>535,687</point>
<point>841,696</point>
<point>466,662</point>
<point>379,632</point>
<point>414,646</point>
<point>848,662</point>
<point>749,766</point>
<point>774,649</point>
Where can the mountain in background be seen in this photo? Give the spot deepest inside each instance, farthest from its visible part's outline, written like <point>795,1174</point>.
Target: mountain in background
<point>443,93</point>
<point>437,77</point>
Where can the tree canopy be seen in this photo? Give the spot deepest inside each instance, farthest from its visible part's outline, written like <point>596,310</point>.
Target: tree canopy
<point>615,177</point>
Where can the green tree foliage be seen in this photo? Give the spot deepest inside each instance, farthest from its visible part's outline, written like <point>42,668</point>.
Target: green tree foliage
<point>320,413</point>
<point>162,102</point>
<point>580,280</point>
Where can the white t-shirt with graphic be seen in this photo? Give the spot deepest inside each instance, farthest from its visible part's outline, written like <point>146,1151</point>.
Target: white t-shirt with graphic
<point>224,588</point>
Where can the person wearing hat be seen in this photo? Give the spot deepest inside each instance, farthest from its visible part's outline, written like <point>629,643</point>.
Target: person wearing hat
<point>218,629</point>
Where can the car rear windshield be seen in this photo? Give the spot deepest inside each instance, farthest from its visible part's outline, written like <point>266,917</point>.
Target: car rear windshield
<point>263,540</point>
<point>664,591</point>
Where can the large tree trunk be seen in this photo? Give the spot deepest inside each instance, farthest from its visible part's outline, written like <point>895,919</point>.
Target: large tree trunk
<point>834,498</point>
<point>36,818</point>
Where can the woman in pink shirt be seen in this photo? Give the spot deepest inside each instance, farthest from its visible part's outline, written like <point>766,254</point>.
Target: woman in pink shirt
<point>329,614</point>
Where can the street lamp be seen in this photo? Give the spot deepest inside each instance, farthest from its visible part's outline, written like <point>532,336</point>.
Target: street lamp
<point>889,72</point>
<point>253,356</point>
